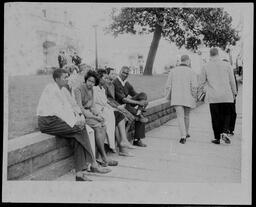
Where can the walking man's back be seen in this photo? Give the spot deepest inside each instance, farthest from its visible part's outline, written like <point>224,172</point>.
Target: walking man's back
<point>217,77</point>
<point>220,81</point>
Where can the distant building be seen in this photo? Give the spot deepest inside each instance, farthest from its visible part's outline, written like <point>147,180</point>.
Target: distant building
<point>34,34</point>
<point>136,63</point>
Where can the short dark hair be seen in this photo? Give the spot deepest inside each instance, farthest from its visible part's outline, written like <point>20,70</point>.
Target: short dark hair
<point>125,68</point>
<point>101,72</point>
<point>57,73</point>
<point>109,69</point>
<point>184,58</point>
<point>92,73</point>
<point>214,51</point>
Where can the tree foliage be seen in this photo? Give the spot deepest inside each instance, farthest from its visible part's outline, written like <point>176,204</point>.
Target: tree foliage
<point>187,27</point>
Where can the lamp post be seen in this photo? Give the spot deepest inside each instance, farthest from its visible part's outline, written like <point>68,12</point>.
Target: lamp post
<point>96,47</point>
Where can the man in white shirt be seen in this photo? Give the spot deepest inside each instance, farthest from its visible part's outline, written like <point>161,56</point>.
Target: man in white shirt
<point>57,115</point>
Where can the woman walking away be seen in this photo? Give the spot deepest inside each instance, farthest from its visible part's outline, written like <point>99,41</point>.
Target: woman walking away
<point>181,89</point>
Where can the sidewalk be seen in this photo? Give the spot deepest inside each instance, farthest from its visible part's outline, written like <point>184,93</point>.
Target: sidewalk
<point>166,160</point>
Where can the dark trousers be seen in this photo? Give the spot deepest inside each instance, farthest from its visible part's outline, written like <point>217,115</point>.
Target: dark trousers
<point>221,115</point>
<point>233,117</point>
<point>131,107</point>
<point>139,126</point>
<point>79,139</point>
<point>240,70</point>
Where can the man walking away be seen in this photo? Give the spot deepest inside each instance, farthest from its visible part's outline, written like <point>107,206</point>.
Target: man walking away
<point>219,80</point>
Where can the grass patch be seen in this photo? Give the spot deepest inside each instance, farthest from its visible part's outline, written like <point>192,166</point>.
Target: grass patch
<point>24,93</point>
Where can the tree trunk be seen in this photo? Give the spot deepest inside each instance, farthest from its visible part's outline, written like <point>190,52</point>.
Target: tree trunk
<point>152,51</point>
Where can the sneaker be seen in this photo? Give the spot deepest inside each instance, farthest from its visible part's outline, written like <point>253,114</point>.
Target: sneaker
<point>231,133</point>
<point>216,141</point>
<point>183,140</point>
<point>225,138</point>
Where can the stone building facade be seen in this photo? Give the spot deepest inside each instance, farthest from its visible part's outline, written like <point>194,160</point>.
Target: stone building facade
<point>34,34</point>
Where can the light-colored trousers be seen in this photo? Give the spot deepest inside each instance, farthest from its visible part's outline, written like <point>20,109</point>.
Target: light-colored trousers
<point>183,119</point>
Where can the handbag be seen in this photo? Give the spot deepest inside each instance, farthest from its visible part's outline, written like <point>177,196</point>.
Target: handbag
<point>201,93</point>
<point>201,96</point>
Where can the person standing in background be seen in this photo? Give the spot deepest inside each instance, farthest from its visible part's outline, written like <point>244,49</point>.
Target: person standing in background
<point>62,59</point>
<point>233,108</point>
<point>76,59</point>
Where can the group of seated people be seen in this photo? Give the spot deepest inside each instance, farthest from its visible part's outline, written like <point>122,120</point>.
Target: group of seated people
<point>106,104</point>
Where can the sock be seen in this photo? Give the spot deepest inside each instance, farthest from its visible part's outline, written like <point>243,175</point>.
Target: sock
<point>138,112</point>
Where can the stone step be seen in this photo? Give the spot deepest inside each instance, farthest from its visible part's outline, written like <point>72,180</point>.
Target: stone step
<point>52,171</point>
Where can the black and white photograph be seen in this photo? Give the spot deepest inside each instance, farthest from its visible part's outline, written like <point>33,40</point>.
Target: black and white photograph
<point>127,103</point>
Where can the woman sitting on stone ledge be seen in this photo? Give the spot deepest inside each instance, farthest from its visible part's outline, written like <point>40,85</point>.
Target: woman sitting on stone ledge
<point>115,120</point>
<point>84,98</point>
<point>56,116</point>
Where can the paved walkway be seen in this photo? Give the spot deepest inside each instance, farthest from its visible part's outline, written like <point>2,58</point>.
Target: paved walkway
<point>166,160</point>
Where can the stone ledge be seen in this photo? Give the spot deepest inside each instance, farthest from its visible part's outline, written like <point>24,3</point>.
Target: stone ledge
<point>44,144</point>
<point>31,155</point>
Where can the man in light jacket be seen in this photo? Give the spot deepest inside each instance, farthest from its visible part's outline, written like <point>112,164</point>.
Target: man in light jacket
<point>180,89</point>
<point>219,82</point>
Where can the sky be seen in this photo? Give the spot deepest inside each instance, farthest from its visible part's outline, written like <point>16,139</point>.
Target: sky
<point>116,50</point>
<point>86,15</point>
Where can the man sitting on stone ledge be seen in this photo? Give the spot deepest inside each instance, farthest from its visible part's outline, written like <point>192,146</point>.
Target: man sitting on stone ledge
<point>135,103</point>
<point>57,116</point>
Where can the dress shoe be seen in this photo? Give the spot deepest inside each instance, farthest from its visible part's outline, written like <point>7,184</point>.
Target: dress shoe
<point>225,138</point>
<point>100,170</point>
<point>216,141</point>
<point>139,143</point>
<point>188,136</point>
<point>109,163</point>
<point>112,163</point>
<point>143,119</point>
<point>182,140</point>
<point>82,178</point>
<point>231,133</point>
<point>113,150</point>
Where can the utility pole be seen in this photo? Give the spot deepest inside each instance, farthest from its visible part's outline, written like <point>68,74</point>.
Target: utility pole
<point>96,47</point>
